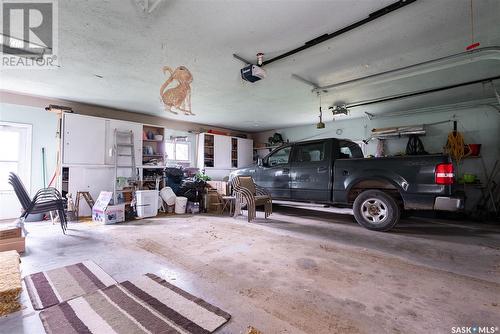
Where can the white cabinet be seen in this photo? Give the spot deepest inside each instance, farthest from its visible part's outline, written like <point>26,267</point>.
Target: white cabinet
<point>222,152</point>
<point>215,154</point>
<point>136,128</point>
<point>91,179</point>
<point>83,139</point>
<point>88,152</point>
<point>245,152</point>
<point>89,140</point>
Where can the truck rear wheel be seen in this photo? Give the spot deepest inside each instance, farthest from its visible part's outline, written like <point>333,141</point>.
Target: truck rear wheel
<point>376,210</point>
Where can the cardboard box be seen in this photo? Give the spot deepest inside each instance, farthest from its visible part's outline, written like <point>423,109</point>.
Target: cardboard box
<point>9,232</point>
<point>17,244</point>
<point>213,201</point>
<point>105,213</point>
<point>220,186</point>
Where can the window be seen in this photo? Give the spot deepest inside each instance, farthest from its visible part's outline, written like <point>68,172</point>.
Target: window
<point>9,155</point>
<point>178,151</point>
<point>15,156</point>
<point>279,157</point>
<point>349,149</point>
<point>310,152</point>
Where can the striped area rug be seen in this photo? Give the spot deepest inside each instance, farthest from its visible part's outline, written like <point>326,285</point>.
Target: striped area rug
<point>48,288</point>
<point>148,304</point>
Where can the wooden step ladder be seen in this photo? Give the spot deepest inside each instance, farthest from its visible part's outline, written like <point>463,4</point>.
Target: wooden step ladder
<point>87,197</point>
<point>124,147</point>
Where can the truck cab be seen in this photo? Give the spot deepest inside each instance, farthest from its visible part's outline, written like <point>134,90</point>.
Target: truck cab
<point>302,171</point>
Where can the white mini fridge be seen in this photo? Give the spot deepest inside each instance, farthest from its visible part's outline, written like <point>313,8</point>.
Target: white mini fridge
<point>147,203</point>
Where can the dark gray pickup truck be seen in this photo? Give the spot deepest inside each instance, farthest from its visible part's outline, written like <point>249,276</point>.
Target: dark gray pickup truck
<point>333,171</point>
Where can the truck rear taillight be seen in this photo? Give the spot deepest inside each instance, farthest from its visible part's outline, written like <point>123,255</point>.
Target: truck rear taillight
<point>444,174</point>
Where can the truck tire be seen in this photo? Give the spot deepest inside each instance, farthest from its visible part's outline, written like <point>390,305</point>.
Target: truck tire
<point>376,210</point>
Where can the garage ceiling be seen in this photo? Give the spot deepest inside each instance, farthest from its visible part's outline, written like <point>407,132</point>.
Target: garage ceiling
<point>127,47</point>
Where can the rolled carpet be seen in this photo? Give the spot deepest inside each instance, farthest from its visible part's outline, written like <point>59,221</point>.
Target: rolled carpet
<point>10,282</point>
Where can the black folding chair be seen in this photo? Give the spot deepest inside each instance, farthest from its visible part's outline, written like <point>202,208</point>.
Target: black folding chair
<point>45,200</point>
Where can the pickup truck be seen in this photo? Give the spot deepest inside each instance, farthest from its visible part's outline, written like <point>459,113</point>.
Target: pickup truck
<point>334,172</point>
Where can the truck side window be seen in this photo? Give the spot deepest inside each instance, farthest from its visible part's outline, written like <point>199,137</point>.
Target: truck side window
<point>313,152</point>
<point>279,157</point>
<point>345,153</point>
<point>348,150</point>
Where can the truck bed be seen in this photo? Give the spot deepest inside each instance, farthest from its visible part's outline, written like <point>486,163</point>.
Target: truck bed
<point>412,176</point>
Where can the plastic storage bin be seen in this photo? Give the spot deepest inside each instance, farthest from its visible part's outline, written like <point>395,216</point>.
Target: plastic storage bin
<point>147,203</point>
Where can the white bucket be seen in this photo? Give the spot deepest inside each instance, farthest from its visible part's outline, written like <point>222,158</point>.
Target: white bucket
<point>168,195</point>
<point>180,205</point>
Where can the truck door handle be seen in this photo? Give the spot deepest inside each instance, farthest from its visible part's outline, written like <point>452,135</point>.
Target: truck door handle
<point>322,169</point>
<point>345,172</point>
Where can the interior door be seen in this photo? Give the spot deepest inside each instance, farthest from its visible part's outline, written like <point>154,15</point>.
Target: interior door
<point>311,171</point>
<point>274,175</point>
<point>14,157</point>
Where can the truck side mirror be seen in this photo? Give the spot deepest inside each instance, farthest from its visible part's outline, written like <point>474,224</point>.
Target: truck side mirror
<point>259,162</point>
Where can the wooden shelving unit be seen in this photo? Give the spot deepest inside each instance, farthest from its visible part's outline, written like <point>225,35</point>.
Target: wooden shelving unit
<point>153,148</point>
<point>208,156</point>
<point>234,152</point>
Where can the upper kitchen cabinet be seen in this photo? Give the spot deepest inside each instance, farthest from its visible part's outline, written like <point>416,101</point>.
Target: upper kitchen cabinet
<point>83,140</point>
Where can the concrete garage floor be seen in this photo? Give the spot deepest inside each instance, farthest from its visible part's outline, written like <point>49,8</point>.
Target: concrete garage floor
<point>306,270</point>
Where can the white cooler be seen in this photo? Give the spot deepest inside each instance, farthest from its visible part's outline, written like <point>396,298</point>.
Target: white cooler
<point>147,203</point>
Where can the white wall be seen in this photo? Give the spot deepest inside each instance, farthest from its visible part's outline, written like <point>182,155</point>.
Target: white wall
<point>43,135</point>
<point>478,125</point>
<point>21,102</point>
<point>28,109</point>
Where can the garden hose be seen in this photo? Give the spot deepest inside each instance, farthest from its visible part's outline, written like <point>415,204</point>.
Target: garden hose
<point>455,145</point>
